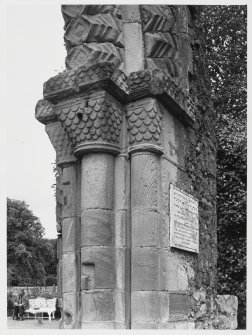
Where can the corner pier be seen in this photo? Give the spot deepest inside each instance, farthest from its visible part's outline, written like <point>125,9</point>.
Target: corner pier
<point>131,121</point>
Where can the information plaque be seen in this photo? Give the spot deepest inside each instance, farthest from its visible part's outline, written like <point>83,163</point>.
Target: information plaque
<point>184,220</point>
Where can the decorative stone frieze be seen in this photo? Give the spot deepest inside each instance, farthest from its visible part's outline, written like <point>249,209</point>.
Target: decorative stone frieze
<point>93,33</point>
<point>137,85</point>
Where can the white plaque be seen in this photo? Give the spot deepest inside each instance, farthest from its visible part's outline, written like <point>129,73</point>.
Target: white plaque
<point>184,220</point>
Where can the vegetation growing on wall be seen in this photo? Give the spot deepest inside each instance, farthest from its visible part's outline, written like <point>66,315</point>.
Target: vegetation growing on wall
<point>225,30</point>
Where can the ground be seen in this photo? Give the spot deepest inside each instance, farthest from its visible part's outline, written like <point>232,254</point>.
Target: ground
<point>32,324</point>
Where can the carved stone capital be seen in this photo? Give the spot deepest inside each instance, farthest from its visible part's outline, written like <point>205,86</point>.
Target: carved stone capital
<point>140,84</point>
<point>92,123</point>
<point>44,111</point>
<point>158,83</point>
<point>144,125</point>
<point>61,143</point>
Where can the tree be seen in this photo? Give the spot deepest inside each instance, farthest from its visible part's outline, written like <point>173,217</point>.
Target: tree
<point>26,248</point>
<point>50,257</point>
<point>225,30</point>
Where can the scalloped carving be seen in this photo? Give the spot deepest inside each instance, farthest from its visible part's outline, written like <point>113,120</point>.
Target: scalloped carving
<point>63,82</point>
<point>144,122</point>
<point>157,82</point>
<point>96,119</point>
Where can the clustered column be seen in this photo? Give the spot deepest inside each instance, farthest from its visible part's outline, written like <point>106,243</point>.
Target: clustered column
<point>144,123</point>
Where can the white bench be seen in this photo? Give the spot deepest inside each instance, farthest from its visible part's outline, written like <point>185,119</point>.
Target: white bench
<point>42,305</point>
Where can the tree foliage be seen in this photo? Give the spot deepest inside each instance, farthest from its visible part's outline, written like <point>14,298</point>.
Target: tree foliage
<point>29,255</point>
<point>225,30</point>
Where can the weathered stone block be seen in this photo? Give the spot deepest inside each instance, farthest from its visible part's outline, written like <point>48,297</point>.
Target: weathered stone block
<point>144,181</point>
<point>175,273</point>
<point>122,266</point>
<point>145,269</point>
<point>122,228</point>
<point>179,305</point>
<point>227,307</point>
<point>59,247</point>
<point>98,305</point>
<point>69,234</point>
<point>59,278</point>
<point>163,306</point>
<point>97,227</point>
<point>120,315</point>
<point>70,309</point>
<point>103,260</point>
<point>122,183</point>
<point>69,271</point>
<point>145,229</point>
<point>169,141</point>
<point>97,181</point>
<point>69,192</point>
<point>227,304</point>
<point>169,174</point>
<point>134,54</point>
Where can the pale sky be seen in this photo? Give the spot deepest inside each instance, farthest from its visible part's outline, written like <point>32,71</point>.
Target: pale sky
<point>35,52</point>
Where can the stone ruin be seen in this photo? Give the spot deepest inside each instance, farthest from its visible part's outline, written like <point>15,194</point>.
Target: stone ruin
<point>132,124</point>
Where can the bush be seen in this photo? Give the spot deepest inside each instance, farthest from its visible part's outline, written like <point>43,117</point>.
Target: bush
<point>51,280</point>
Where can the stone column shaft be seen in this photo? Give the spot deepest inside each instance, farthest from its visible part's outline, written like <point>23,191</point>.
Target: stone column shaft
<point>97,240</point>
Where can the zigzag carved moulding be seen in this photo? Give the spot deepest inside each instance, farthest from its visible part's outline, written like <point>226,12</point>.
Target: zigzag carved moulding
<point>98,28</point>
<point>156,18</point>
<point>91,53</point>
<point>73,11</point>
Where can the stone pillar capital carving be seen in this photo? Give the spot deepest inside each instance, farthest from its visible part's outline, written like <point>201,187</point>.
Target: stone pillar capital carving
<point>44,112</point>
<point>93,123</point>
<point>144,125</point>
